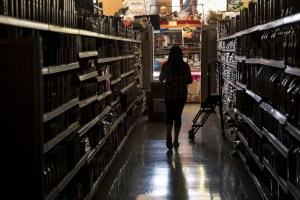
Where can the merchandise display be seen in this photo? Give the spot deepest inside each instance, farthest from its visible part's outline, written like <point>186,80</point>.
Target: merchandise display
<point>73,86</point>
<point>258,49</point>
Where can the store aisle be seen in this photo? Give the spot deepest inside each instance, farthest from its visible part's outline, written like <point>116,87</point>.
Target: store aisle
<point>199,170</point>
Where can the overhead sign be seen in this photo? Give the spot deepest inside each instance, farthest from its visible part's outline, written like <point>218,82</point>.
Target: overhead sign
<point>136,7</point>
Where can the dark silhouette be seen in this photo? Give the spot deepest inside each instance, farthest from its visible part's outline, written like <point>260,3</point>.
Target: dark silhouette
<point>177,75</point>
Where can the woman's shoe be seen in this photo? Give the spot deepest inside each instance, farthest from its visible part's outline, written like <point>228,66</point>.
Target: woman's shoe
<point>176,144</point>
<point>169,143</point>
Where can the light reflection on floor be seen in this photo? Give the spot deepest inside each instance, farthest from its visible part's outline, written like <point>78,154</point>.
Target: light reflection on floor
<point>203,170</point>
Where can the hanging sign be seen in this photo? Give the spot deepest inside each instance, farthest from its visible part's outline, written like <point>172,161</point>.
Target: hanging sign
<point>187,32</point>
<point>136,7</point>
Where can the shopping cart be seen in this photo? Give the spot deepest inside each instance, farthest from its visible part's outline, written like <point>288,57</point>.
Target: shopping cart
<point>212,100</point>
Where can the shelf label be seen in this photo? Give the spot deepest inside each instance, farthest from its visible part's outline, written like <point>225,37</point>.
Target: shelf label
<point>172,23</point>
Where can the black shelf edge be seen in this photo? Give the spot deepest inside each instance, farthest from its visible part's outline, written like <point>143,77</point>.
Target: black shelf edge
<point>60,29</point>
<point>232,84</point>
<point>87,126</point>
<point>293,130</point>
<point>231,113</point>
<point>110,59</point>
<point>116,123</point>
<point>240,58</point>
<point>115,81</point>
<point>256,97</point>
<point>100,178</point>
<point>127,87</point>
<point>275,113</point>
<point>249,30</point>
<point>87,101</point>
<point>104,112</point>
<point>102,78</point>
<point>253,60</point>
<point>88,76</point>
<point>293,190</point>
<point>280,147</point>
<point>226,50</point>
<point>254,127</point>
<point>60,110</point>
<point>127,73</point>
<point>96,149</point>
<point>263,191</point>
<point>279,179</point>
<point>226,38</point>
<point>273,63</point>
<point>59,188</point>
<point>229,64</point>
<point>273,24</point>
<point>115,102</point>
<point>254,156</point>
<point>250,122</point>
<point>60,68</point>
<point>241,85</point>
<point>131,105</point>
<point>242,157</point>
<point>292,70</point>
<point>69,177</point>
<point>137,77</point>
<point>105,94</point>
<point>280,22</point>
<point>88,54</point>
<point>7,20</point>
<point>49,145</point>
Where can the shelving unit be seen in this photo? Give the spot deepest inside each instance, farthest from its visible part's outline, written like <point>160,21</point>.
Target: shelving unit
<point>267,136</point>
<point>72,97</point>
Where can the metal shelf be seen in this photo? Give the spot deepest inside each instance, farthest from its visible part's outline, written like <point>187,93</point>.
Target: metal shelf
<point>293,130</point>
<point>88,54</point>
<point>60,110</point>
<point>12,21</point>
<point>50,144</point>
<point>250,122</point>
<point>275,113</point>
<point>127,87</point>
<point>102,78</point>
<point>279,146</point>
<point>254,96</point>
<point>279,179</point>
<point>59,68</point>
<point>254,156</point>
<point>127,73</point>
<point>110,59</point>
<point>87,101</point>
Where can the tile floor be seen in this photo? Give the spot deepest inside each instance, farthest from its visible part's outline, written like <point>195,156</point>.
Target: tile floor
<point>204,169</point>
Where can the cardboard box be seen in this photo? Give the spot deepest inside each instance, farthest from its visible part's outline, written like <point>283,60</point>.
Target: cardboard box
<point>159,105</point>
<point>157,89</point>
<point>194,88</point>
<point>156,116</point>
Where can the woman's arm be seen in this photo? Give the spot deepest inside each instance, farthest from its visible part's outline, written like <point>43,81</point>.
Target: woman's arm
<point>162,75</point>
<point>189,78</point>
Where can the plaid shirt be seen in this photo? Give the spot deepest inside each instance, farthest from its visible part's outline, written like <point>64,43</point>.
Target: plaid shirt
<point>175,85</point>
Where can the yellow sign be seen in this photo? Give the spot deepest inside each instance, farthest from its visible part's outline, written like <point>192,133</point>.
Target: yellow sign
<point>172,23</point>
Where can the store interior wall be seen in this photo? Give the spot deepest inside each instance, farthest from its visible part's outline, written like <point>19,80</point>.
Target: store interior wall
<point>208,53</point>
<point>111,6</point>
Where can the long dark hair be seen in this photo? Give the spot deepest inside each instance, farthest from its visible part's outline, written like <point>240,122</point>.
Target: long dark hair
<point>175,60</point>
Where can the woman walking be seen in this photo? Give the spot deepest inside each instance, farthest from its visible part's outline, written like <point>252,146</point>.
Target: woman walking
<point>177,75</point>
